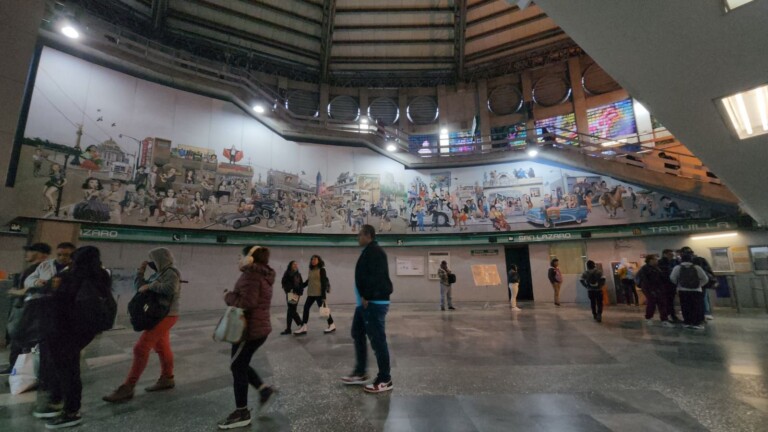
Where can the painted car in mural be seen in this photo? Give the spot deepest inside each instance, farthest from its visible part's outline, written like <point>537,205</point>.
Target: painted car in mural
<point>155,159</point>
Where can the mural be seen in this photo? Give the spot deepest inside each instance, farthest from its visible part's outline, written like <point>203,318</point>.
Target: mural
<point>102,146</point>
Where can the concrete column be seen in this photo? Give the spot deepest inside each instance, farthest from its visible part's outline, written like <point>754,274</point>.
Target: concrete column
<point>363,102</point>
<point>485,115</point>
<point>402,103</point>
<point>53,232</point>
<point>19,21</point>
<point>526,82</point>
<point>325,90</point>
<point>578,96</point>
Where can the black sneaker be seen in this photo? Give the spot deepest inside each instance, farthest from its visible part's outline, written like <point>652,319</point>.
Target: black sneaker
<point>267,397</point>
<point>355,379</point>
<point>599,318</point>
<point>379,386</point>
<point>286,332</point>
<point>451,308</point>
<point>49,411</point>
<point>237,419</point>
<point>65,420</point>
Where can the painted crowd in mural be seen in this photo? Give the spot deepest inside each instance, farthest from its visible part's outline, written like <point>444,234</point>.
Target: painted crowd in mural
<point>104,147</point>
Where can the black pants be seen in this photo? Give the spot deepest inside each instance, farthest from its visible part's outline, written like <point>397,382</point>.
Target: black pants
<point>669,297</point>
<point>293,316</point>
<point>242,372</point>
<point>692,305</point>
<point>65,352</point>
<point>630,292</point>
<point>311,300</point>
<point>654,300</point>
<point>596,301</point>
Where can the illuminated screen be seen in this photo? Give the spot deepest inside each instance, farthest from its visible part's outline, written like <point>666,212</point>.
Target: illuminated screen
<point>514,135</point>
<point>423,144</point>
<point>563,126</point>
<point>462,141</point>
<point>612,120</point>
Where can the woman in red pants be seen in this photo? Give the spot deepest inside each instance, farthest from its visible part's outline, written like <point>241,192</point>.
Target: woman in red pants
<point>165,281</point>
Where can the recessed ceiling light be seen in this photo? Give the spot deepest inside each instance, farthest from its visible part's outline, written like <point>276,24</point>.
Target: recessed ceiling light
<point>391,147</point>
<point>714,236</point>
<point>259,109</point>
<point>70,32</point>
<point>533,152</point>
<point>748,112</point>
<point>364,120</point>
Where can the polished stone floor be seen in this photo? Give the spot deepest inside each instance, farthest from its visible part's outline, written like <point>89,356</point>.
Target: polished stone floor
<point>475,369</point>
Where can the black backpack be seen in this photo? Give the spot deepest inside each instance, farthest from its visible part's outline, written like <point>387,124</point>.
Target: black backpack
<point>451,278</point>
<point>594,280</point>
<point>95,307</point>
<point>147,309</point>
<point>688,277</point>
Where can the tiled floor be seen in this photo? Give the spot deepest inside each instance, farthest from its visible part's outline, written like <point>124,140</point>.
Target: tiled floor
<point>476,369</point>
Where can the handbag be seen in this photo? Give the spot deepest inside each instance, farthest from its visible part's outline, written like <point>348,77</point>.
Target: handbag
<point>325,311</point>
<point>293,298</point>
<point>231,326</point>
<point>24,374</point>
<point>147,309</point>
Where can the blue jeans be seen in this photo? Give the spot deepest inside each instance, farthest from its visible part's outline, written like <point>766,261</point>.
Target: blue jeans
<point>707,305</point>
<point>370,322</point>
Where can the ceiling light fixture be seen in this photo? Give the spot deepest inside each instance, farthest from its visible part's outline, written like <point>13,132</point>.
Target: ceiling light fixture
<point>714,236</point>
<point>259,109</point>
<point>747,112</point>
<point>70,32</point>
<point>364,121</point>
<point>391,147</point>
<point>533,153</point>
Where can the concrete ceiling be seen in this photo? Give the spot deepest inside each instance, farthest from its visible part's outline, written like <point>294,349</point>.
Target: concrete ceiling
<point>677,58</point>
<point>336,39</point>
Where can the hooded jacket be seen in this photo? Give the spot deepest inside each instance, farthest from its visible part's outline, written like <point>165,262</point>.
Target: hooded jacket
<point>166,280</point>
<point>253,294</point>
<point>372,274</point>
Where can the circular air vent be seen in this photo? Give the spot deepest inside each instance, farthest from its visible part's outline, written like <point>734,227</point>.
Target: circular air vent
<point>505,100</point>
<point>303,103</point>
<point>596,81</point>
<point>344,108</point>
<point>423,110</point>
<point>551,90</point>
<point>384,110</point>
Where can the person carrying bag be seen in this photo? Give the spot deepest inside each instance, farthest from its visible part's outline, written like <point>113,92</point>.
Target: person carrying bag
<point>293,285</point>
<point>159,292</point>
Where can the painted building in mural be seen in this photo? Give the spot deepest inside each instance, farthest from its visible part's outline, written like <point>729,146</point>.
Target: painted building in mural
<point>217,168</point>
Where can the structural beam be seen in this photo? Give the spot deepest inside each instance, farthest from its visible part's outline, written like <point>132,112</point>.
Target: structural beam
<point>159,12</point>
<point>459,39</point>
<point>326,38</point>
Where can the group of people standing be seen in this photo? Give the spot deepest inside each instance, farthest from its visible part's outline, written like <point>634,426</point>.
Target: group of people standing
<point>66,328</point>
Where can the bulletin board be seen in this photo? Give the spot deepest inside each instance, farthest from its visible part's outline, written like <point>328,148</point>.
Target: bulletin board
<point>486,275</point>
<point>410,265</point>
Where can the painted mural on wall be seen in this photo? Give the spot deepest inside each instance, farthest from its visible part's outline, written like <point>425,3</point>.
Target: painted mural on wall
<point>102,146</point>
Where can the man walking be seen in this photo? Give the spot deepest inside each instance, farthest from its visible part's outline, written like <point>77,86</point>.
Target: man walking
<point>372,289</point>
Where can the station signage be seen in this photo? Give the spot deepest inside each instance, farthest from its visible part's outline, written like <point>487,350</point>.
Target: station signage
<point>485,252</point>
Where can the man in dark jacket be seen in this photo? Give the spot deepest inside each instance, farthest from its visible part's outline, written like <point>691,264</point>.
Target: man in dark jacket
<point>652,280</point>
<point>666,264</point>
<point>372,289</point>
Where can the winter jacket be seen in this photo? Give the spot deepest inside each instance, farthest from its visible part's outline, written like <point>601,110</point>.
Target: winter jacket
<point>593,274</point>
<point>253,294</point>
<point>554,275</point>
<point>293,282</point>
<point>372,274</point>
<point>46,270</point>
<point>513,277</point>
<point>443,276</point>
<point>703,278</point>
<point>64,298</point>
<point>651,278</point>
<point>166,281</point>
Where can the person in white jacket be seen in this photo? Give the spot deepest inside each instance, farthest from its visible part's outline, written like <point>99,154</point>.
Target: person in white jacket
<point>690,279</point>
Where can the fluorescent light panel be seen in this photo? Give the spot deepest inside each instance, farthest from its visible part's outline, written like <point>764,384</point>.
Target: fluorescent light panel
<point>733,4</point>
<point>748,112</point>
<point>714,236</point>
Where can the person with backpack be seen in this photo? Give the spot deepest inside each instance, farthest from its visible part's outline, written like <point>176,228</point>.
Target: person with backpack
<point>166,283</point>
<point>445,275</point>
<point>318,287</point>
<point>651,280</point>
<point>712,284</point>
<point>555,278</point>
<point>253,294</point>
<point>690,279</point>
<point>513,284</point>
<point>626,273</point>
<point>593,280</point>
<point>293,285</point>
<point>83,308</point>
<point>666,264</point>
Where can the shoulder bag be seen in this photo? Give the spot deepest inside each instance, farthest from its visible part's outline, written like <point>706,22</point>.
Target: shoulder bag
<point>231,326</point>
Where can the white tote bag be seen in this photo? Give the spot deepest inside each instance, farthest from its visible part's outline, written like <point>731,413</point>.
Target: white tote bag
<point>231,326</point>
<point>325,311</point>
<point>24,374</point>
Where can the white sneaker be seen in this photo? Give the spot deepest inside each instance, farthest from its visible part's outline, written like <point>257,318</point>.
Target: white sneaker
<point>649,321</point>
<point>301,331</point>
<point>697,327</point>
<point>331,328</point>
<point>709,317</point>
<point>667,324</point>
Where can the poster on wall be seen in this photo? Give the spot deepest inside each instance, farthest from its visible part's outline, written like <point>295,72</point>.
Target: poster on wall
<point>410,265</point>
<point>104,147</point>
<point>741,261</point>
<point>435,258</point>
<point>721,260</point>
<point>485,275</point>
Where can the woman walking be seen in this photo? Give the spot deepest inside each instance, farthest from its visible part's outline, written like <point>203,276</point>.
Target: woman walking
<point>318,287</point>
<point>513,284</point>
<point>253,294</point>
<point>443,273</point>
<point>293,285</point>
<point>85,280</point>
<point>166,281</point>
